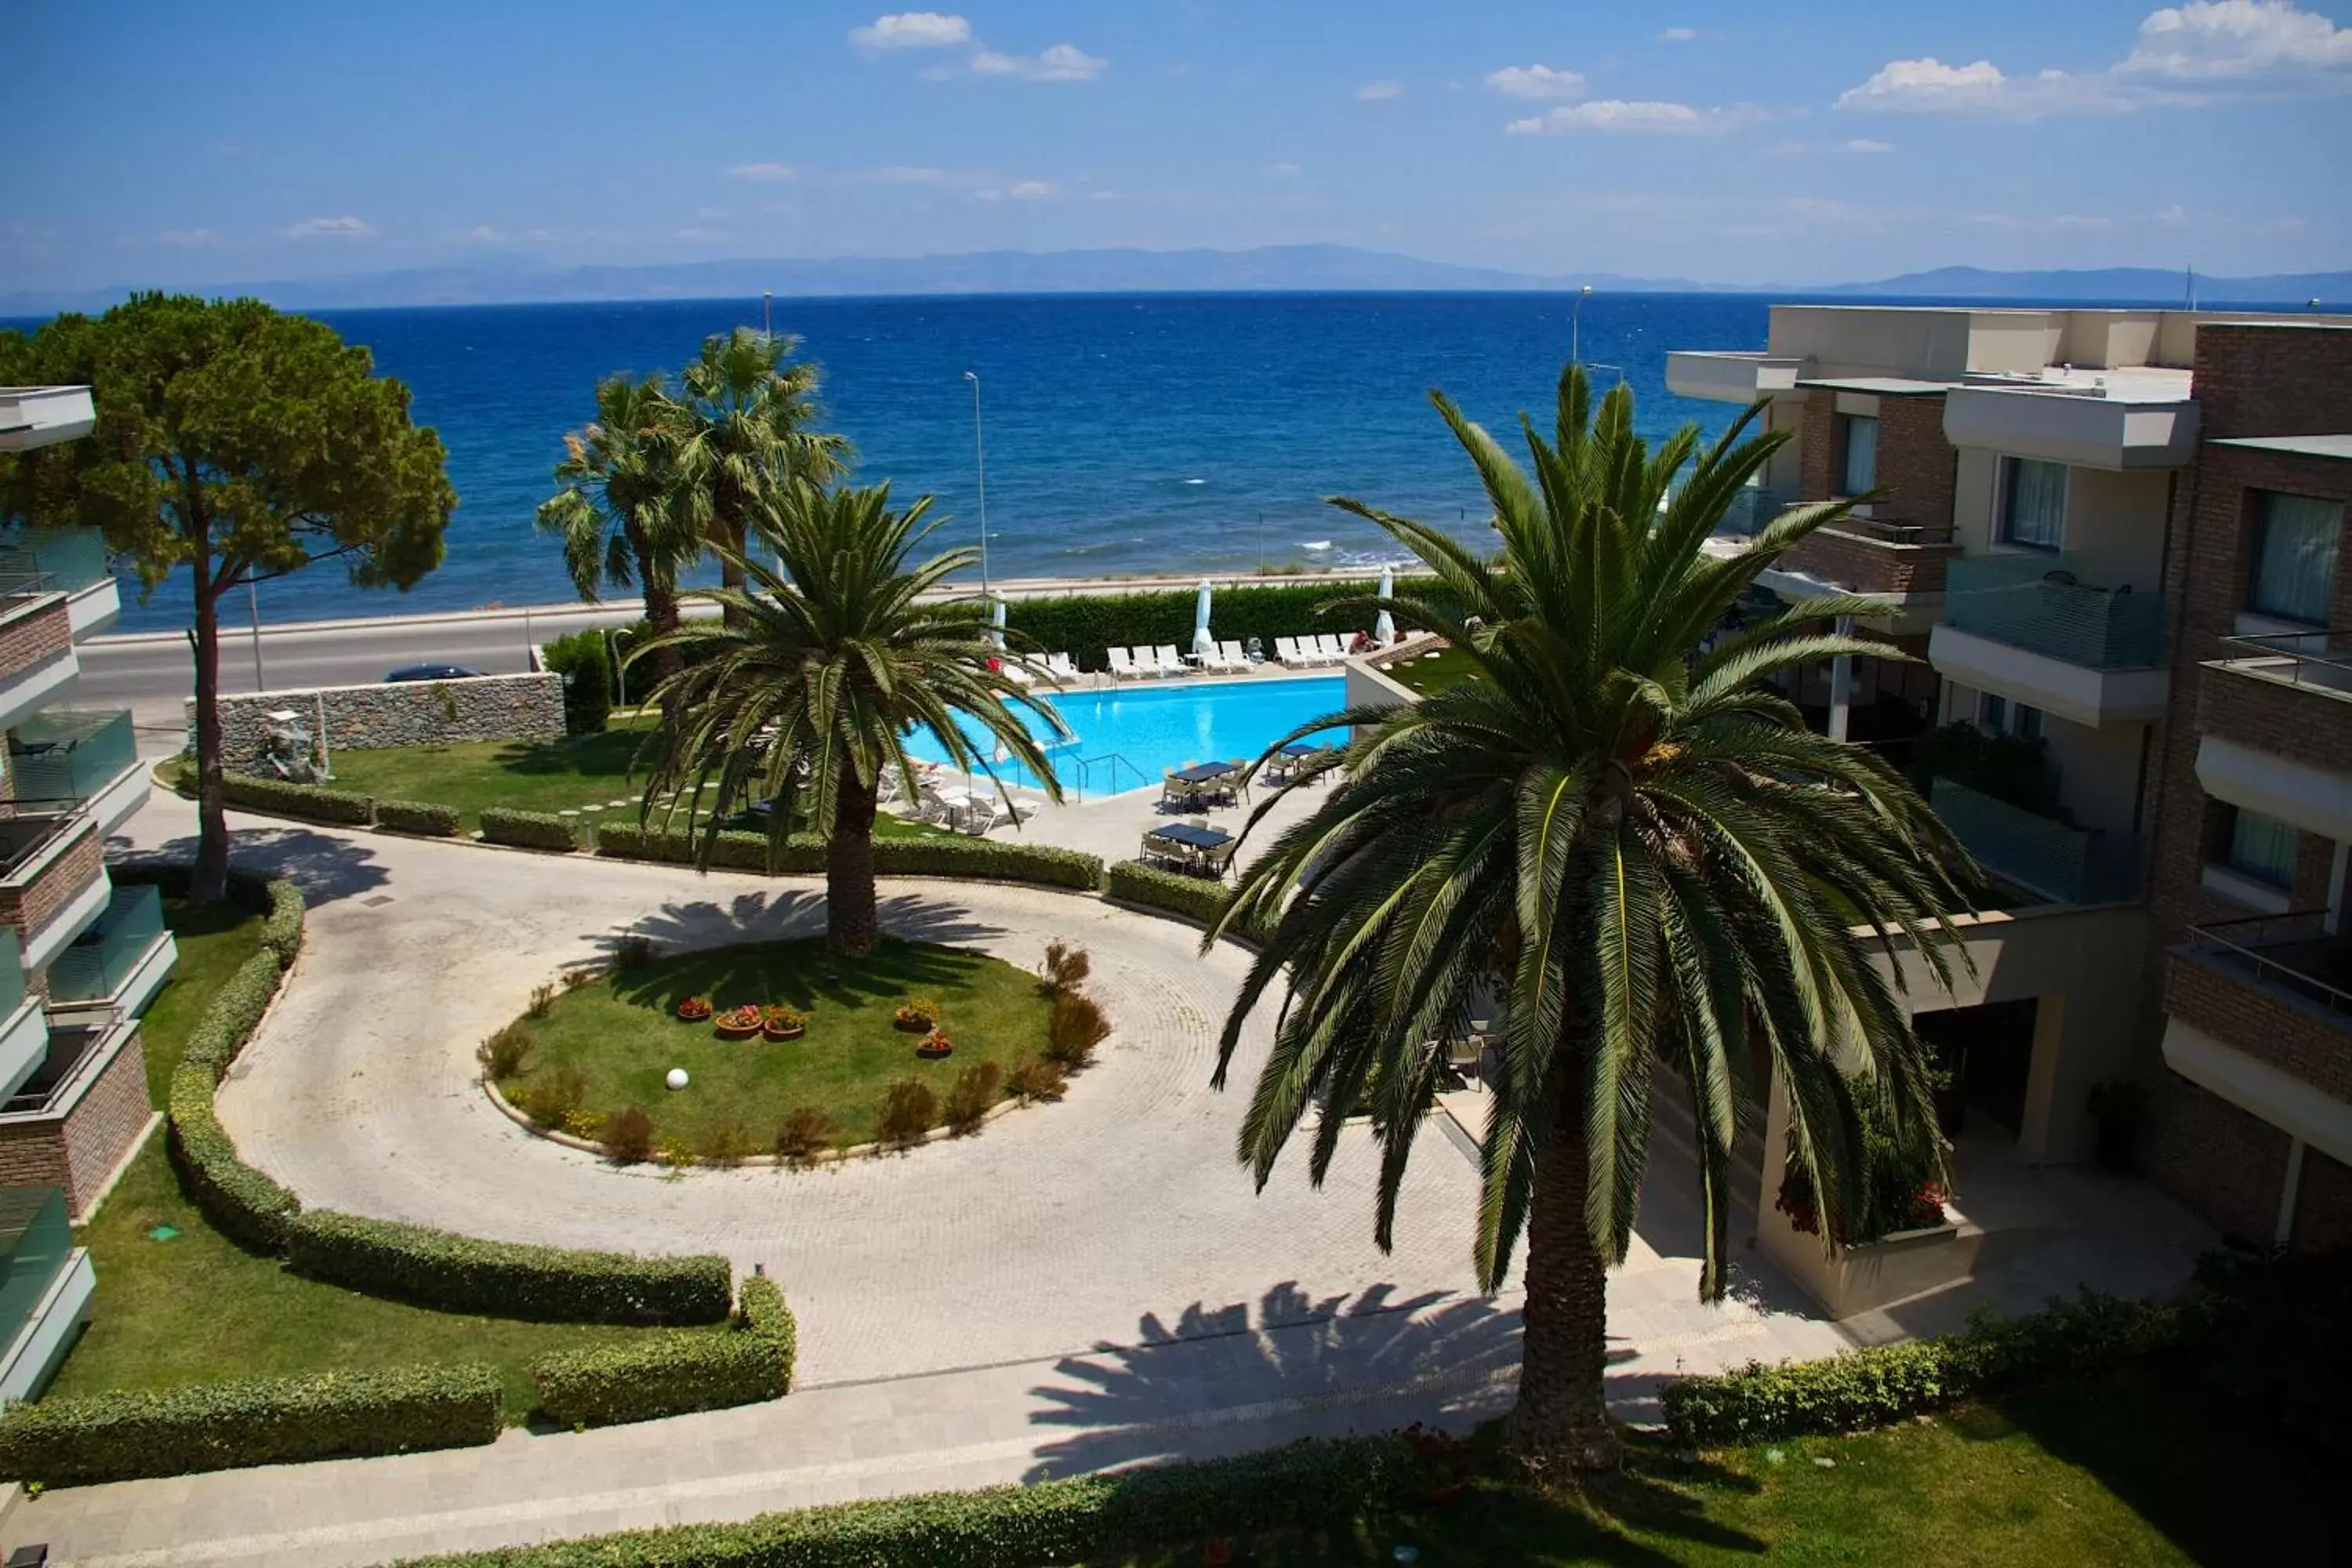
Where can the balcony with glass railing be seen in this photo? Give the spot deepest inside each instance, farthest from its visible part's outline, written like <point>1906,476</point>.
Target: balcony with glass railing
<point>61,755</point>
<point>1751,508</point>
<point>2042,629</point>
<point>52,560</point>
<point>2039,851</point>
<point>115,955</point>
<point>44,1287</point>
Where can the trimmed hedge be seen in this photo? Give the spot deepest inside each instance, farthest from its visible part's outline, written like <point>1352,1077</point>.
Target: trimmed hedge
<point>586,666</point>
<point>529,829</point>
<point>241,1203</point>
<point>1085,626</point>
<point>281,927</point>
<point>253,1420</point>
<point>1885,1383</point>
<point>417,817</point>
<point>970,859</point>
<point>1308,1486</point>
<point>674,1373</point>
<point>1196,899</point>
<point>507,1279</point>
<point>235,1012</point>
<point>312,803</point>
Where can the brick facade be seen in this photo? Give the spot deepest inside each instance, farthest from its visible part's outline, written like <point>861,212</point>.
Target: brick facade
<point>28,640</point>
<point>1856,559</point>
<point>2250,379</point>
<point>79,1144</point>
<point>1915,464</point>
<point>31,903</point>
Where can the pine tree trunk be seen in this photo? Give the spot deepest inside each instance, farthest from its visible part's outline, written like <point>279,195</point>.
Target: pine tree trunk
<point>849,928</point>
<point>1561,1423</point>
<point>209,882</point>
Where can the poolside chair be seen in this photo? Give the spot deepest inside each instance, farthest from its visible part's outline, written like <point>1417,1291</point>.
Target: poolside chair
<point>1292,655</point>
<point>1166,657</point>
<point>1122,664</point>
<point>1235,659</point>
<point>989,812</point>
<point>1146,667</point>
<point>1333,650</point>
<point>1217,861</point>
<point>1212,660</point>
<point>1060,665</point>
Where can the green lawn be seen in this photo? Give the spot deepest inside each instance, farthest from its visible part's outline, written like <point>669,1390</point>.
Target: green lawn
<point>1431,672</point>
<point>623,1035</point>
<point>194,1306</point>
<point>2116,1471</point>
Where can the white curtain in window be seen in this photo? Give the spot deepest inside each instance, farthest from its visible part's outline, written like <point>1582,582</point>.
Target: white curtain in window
<point>1861,454</point>
<point>2037,503</point>
<point>2294,557</point>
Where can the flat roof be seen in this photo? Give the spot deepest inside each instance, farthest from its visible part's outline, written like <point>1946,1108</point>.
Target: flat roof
<point>2337,446</point>
<point>1876,386</point>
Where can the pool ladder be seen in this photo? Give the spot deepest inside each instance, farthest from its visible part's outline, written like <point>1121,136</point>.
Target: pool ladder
<point>1110,762</point>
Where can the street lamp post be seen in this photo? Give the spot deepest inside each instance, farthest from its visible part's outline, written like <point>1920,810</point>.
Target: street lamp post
<point>980,462</point>
<point>1575,326</point>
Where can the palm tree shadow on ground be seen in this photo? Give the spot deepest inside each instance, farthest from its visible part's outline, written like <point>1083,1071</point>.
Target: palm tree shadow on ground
<point>326,868</point>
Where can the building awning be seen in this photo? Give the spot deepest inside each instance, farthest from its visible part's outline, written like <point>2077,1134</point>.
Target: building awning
<point>2337,446</point>
<point>1877,386</point>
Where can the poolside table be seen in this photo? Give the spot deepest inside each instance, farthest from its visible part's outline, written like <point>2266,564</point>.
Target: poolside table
<point>1185,843</point>
<point>1205,774</point>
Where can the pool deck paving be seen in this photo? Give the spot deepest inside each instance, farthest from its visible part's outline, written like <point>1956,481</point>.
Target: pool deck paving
<point>1083,1285</point>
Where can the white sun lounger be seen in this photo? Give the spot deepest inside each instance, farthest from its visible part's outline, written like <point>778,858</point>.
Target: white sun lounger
<point>1122,665</point>
<point>1060,665</point>
<point>1166,658</point>
<point>1291,655</point>
<point>1235,659</point>
<point>1224,658</point>
<point>1333,650</point>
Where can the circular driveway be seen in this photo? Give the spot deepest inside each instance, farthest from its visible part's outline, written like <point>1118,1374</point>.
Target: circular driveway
<point>1115,1216</point>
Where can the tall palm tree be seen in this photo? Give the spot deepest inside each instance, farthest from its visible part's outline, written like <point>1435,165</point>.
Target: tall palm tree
<point>628,514</point>
<point>749,406</point>
<point>805,696</point>
<point>1619,837</point>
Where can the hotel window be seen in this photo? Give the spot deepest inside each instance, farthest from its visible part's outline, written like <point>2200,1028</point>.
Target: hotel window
<point>2261,848</point>
<point>1861,453</point>
<point>1997,715</point>
<point>2293,574</point>
<point>2034,503</point>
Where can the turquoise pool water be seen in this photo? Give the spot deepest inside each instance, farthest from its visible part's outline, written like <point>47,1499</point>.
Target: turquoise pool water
<point>1124,738</point>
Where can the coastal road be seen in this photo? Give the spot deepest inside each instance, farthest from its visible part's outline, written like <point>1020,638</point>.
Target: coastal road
<point>151,673</point>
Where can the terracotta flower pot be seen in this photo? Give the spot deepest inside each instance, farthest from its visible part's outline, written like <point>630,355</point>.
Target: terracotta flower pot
<point>738,1031</point>
<point>931,1053</point>
<point>906,1025</point>
<point>785,1031</point>
<point>688,1014</point>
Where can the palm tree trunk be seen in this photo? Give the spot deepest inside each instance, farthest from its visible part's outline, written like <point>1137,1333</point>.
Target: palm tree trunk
<point>661,613</point>
<point>733,530</point>
<point>1561,1423</point>
<point>849,920</point>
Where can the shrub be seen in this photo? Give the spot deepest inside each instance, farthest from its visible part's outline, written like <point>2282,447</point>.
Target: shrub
<point>1073,1029</point>
<point>1035,1079</point>
<point>628,1134</point>
<point>542,1000</point>
<point>529,829</point>
<point>124,1434</point>
<point>1066,967</point>
<point>908,1109</point>
<point>417,817</point>
<point>971,860</point>
<point>1307,1487</point>
<point>972,1095</point>
<point>465,1274</point>
<point>1087,625</point>
<point>729,1142</point>
<point>312,803</point>
<point>669,1374</point>
<point>1195,899</point>
<point>241,1203</point>
<point>235,1012</point>
<point>281,924</point>
<point>552,1101</point>
<point>1884,1383</point>
<point>586,666</point>
<point>803,1134</point>
<point>504,1055</point>
<point>675,1152</point>
<point>584,1124</point>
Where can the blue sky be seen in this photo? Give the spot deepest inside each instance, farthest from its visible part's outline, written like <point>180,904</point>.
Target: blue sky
<point>248,140</point>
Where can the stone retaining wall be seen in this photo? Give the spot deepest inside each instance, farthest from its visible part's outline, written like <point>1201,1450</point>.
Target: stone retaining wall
<point>396,713</point>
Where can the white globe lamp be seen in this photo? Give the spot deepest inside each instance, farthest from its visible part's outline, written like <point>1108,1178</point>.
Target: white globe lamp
<point>676,1079</point>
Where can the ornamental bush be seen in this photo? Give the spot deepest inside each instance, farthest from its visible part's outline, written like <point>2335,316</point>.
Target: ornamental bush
<point>973,859</point>
<point>1087,625</point>
<point>507,1279</point>
<point>1885,1383</point>
<point>417,817</point>
<point>252,1421</point>
<point>1195,898</point>
<point>529,829</point>
<point>312,803</point>
<point>1309,1485</point>
<point>281,927</point>
<point>586,666</point>
<point>235,1012</point>
<point>672,1374</point>
<point>241,1203</point>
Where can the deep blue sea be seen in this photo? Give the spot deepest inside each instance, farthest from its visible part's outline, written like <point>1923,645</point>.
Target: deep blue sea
<point>1124,434</point>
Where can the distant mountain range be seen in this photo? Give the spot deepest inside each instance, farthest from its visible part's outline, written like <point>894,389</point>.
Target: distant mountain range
<point>1288,268</point>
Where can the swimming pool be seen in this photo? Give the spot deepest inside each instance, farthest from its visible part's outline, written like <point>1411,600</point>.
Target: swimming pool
<point>1124,738</point>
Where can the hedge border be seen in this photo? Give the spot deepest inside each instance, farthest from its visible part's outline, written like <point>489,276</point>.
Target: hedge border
<point>675,1374</point>
<point>530,830</point>
<point>1196,900</point>
<point>422,819</point>
<point>1314,1484</point>
<point>125,1433</point>
<point>960,859</point>
<point>309,803</point>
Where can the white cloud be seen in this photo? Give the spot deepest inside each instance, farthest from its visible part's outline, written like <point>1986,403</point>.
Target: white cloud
<point>1535,81</point>
<point>1864,145</point>
<point>912,30</point>
<point>2175,214</point>
<point>694,234</point>
<point>1679,35</point>
<point>1031,190</point>
<point>483,234</point>
<point>188,238</point>
<point>769,173</point>
<point>2185,56</point>
<point>906,174</point>
<point>329,228</point>
<point>1057,62</point>
<point>1379,92</point>
<point>1615,116</point>
<point>1282,172</point>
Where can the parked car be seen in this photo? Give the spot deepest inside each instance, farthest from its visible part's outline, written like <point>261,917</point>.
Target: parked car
<point>434,672</point>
